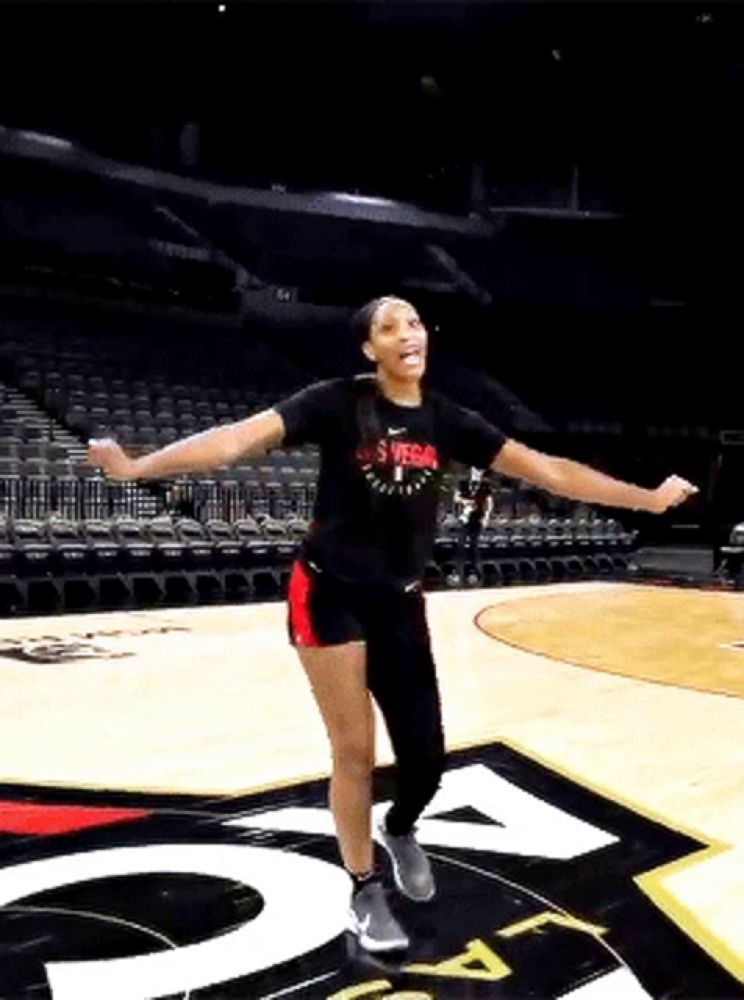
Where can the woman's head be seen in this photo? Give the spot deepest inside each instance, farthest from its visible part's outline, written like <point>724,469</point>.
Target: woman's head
<point>392,336</point>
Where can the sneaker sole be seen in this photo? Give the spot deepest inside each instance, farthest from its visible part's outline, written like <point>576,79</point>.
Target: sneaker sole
<point>373,944</point>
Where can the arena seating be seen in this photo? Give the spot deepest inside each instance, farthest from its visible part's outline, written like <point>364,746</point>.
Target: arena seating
<point>71,539</point>
<point>59,564</point>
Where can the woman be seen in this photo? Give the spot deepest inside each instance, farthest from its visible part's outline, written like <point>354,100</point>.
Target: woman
<point>356,607</point>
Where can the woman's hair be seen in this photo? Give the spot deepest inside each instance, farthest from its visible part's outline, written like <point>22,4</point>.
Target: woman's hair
<point>361,321</point>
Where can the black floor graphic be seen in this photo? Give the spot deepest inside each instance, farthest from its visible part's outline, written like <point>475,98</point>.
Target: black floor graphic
<point>244,897</point>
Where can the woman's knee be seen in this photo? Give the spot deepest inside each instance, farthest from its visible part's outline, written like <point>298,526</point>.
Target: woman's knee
<point>422,770</point>
<point>353,757</point>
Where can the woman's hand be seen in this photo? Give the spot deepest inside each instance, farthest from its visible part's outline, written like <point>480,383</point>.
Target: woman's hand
<point>672,492</point>
<point>107,455</point>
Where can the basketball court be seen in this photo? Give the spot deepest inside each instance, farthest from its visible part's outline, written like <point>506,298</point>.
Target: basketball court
<point>161,795</point>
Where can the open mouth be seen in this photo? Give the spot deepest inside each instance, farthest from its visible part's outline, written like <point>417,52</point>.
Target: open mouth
<point>411,357</point>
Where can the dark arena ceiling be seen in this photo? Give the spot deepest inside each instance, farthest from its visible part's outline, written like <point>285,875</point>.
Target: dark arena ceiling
<point>291,159</point>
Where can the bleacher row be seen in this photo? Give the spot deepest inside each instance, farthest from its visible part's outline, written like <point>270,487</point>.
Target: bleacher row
<point>123,562</point>
<point>94,385</point>
<point>276,488</point>
<point>694,433</point>
<point>532,549</point>
<point>151,420</point>
<point>59,564</point>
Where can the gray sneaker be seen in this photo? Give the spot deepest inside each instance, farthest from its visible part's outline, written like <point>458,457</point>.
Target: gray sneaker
<point>371,919</point>
<point>411,867</point>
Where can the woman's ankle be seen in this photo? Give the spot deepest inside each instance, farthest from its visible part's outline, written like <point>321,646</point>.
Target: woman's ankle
<point>361,879</point>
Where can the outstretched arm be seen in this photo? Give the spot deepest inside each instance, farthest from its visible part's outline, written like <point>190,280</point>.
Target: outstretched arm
<point>566,478</point>
<point>218,446</point>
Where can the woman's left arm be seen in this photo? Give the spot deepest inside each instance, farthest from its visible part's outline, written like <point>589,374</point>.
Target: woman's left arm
<point>575,481</point>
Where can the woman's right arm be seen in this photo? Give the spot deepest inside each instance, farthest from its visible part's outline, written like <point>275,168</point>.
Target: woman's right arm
<point>218,446</point>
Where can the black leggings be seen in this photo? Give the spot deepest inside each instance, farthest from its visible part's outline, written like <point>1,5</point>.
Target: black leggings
<point>402,679</point>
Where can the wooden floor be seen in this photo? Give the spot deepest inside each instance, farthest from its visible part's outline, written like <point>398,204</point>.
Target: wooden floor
<point>213,700</point>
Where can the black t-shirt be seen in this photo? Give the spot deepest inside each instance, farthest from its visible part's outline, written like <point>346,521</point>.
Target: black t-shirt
<point>378,487</point>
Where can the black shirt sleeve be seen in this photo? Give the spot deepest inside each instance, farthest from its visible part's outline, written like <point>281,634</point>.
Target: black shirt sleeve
<point>469,437</point>
<point>309,413</point>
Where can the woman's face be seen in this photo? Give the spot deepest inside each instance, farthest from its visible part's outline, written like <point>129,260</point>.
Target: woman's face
<point>397,340</point>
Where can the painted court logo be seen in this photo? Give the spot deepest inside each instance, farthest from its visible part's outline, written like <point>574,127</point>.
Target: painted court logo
<point>78,646</point>
<point>59,651</point>
<point>138,898</point>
